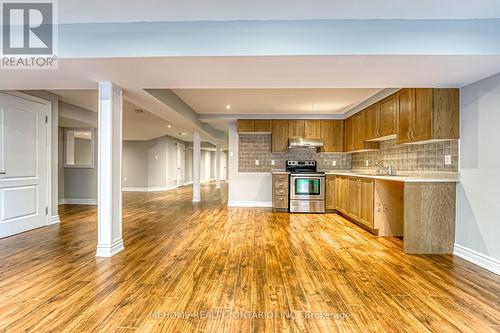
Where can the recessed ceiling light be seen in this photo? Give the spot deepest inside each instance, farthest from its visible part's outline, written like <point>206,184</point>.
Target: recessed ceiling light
<point>169,126</point>
<point>139,111</point>
<point>315,106</point>
<point>182,133</point>
<point>228,107</point>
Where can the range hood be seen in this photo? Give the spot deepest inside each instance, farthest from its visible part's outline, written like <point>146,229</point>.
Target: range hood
<point>304,143</point>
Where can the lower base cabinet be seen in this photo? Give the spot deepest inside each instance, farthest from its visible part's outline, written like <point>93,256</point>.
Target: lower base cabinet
<point>354,198</point>
<point>280,192</point>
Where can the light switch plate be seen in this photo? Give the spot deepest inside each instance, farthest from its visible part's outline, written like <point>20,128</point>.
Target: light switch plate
<point>231,154</point>
<point>257,162</point>
<point>334,163</point>
<point>367,163</point>
<point>124,179</point>
<point>447,159</point>
<point>273,162</point>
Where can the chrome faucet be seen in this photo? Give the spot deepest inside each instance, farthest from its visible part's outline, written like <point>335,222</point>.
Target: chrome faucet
<point>387,169</point>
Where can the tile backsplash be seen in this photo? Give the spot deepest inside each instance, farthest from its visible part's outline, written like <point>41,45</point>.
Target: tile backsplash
<point>254,147</point>
<point>415,157</point>
<point>427,157</point>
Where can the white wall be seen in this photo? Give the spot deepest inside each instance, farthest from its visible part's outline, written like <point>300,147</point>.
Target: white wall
<point>250,188</point>
<point>478,194</point>
<point>135,164</point>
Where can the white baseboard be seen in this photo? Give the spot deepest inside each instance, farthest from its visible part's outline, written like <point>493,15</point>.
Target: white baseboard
<point>258,204</point>
<point>479,259</point>
<point>54,219</point>
<point>107,251</point>
<point>68,201</point>
<point>150,189</point>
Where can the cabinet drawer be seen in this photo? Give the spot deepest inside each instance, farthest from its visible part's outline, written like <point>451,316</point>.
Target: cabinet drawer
<point>280,184</point>
<point>281,191</point>
<point>280,201</point>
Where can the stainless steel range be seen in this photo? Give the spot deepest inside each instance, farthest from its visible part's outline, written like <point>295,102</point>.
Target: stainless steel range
<point>307,187</point>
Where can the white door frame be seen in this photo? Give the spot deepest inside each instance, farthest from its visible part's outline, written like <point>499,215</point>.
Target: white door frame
<point>48,143</point>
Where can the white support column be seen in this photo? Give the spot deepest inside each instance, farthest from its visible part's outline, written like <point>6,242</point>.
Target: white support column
<point>217,166</point>
<point>109,188</point>
<point>196,166</point>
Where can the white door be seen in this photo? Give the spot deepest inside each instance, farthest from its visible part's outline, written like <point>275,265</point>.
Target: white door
<point>223,165</point>
<point>23,165</point>
<point>181,162</point>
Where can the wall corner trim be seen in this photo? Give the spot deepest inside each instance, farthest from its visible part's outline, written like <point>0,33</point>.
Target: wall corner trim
<point>256,204</point>
<point>478,259</point>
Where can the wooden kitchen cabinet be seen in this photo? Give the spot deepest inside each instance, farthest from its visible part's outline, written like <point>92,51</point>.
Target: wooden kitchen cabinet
<point>312,129</point>
<point>380,119</point>
<point>254,126</point>
<point>296,128</point>
<point>355,134</point>
<point>280,191</point>
<point>427,114</point>
<point>349,135</point>
<point>330,192</point>
<point>332,133</point>
<point>245,126</point>
<point>263,126</point>
<point>367,201</point>
<point>279,140</point>
<point>387,116</point>
<point>372,119</point>
<point>354,198</point>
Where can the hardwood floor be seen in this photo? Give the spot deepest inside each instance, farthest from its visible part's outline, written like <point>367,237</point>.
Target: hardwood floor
<point>215,266</point>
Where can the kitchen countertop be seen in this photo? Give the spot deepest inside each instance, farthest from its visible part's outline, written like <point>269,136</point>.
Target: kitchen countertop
<point>399,178</point>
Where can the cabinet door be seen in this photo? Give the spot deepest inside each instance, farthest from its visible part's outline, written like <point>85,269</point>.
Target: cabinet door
<point>354,198</point>
<point>421,128</point>
<point>245,126</point>
<point>330,192</point>
<point>387,116</point>
<point>336,193</point>
<point>372,122</point>
<point>312,129</point>
<point>359,130</point>
<point>367,187</point>
<point>405,107</point>
<point>332,133</point>
<point>296,128</point>
<point>280,136</point>
<point>349,134</point>
<point>263,126</point>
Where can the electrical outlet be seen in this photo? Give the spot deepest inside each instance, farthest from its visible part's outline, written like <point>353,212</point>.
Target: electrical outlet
<point>447,159</point>
<point>273,162</point>
<point>257,162</point>
<point>334,163</point>
<point>156,157</point>
<point>367,163</point>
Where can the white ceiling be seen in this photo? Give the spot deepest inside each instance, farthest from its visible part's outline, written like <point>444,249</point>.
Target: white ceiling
<point>274,101</point>
<point>78,11</point>
<point>136,126</point>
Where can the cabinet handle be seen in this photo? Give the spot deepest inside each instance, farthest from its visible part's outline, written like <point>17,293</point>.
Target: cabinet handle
<point>3,173</point>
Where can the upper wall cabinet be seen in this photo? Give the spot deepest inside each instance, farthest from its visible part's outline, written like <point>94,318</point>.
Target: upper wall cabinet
<point>355,134</point>
<point>279,140</point>
<point>296,128</point>
<point>332,133</point>
<point>427,114</point>
<point>380,119</point>
<point>312,129</point>
<point>254,126</point>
